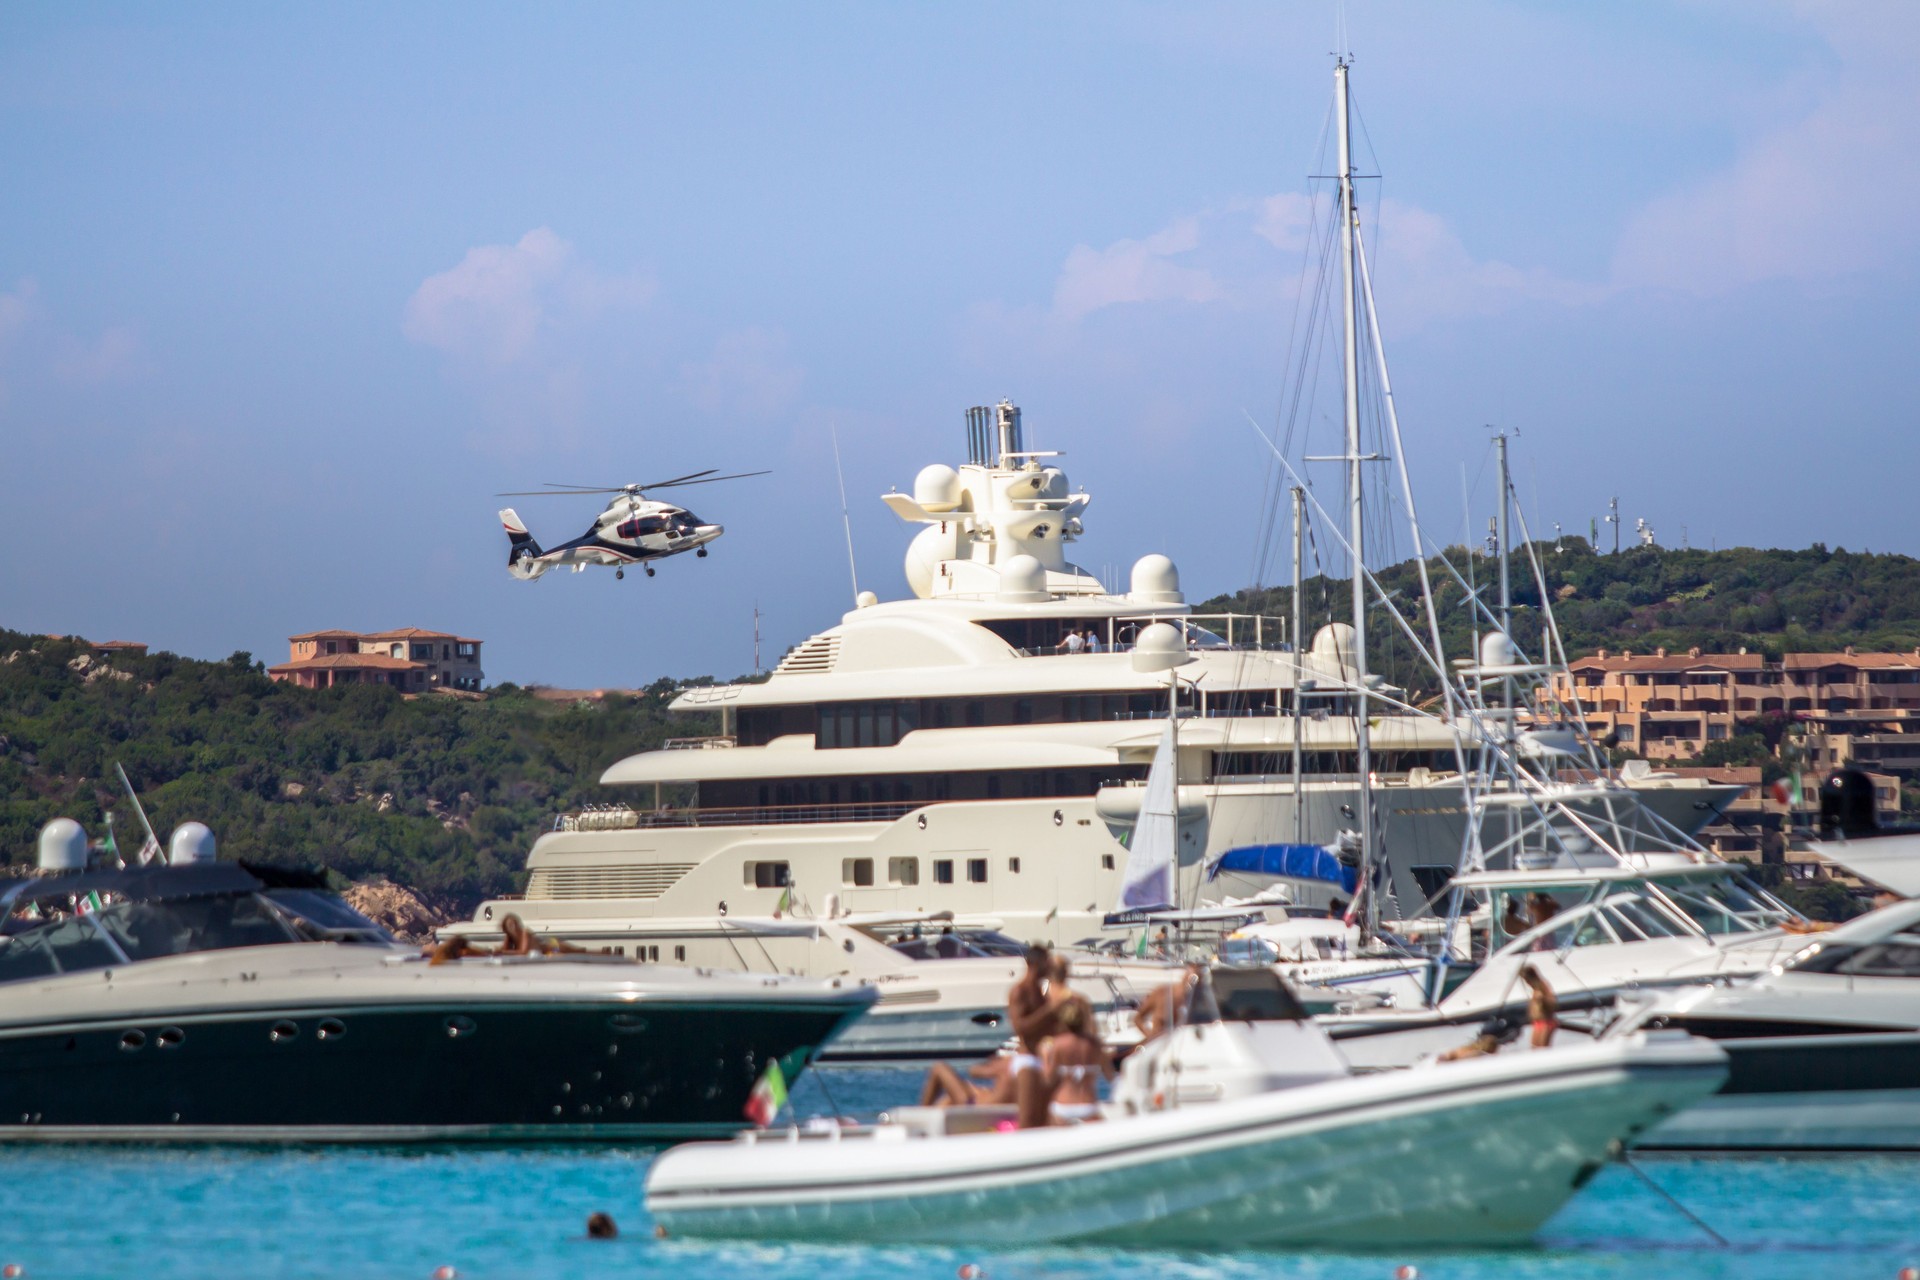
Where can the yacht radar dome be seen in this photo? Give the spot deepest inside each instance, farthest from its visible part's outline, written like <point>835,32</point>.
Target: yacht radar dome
<point>1333,644</point>
<point>1160,648</point>
<point>190,843</point>
<point>865,600</point>
<point>937,488</point>
<point>63,846</point>
<point>1496,650</point>
<point>1023,580</point>
<point>1155,580</point>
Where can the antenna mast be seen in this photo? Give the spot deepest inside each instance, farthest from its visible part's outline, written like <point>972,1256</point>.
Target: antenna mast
<point>846,521</point>
<point>1356,513</point>
<point>1299,805</point>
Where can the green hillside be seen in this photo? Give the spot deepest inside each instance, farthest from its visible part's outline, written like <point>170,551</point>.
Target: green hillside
<point>441,793</point>
<point>1767,601</point>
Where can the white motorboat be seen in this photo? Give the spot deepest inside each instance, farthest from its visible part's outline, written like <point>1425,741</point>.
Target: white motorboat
<point>942,980</point>
<point>1649,922</point>
<point>1823,1051</point>
<point>220,1002</point>
<point>1239,1129</point>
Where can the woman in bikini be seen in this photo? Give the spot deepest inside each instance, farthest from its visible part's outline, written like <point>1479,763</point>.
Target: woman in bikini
<point>1543,1008</point>
<point>1075,1062</point>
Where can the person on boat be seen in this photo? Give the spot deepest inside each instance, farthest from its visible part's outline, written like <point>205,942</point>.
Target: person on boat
<point>1161,1008</point>
<point>458,947</point>
<point>1075,1063</point>
<point>518,940</point>
<point>1093,641</point>
<point>982,1083</point>
<point>1033,1017</point>
<point>1543,1007</point>
<point>1336,909</point>
<point>1072,642</point>
<point>1494,1032</point>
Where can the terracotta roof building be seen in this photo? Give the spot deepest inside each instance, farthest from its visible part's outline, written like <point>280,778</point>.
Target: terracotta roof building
<point>412,659</point>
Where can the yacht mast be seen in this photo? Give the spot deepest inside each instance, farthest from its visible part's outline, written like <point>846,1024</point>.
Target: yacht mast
<point>1356,513</point>
<point>1299,710</point>
<point>1506,592</point>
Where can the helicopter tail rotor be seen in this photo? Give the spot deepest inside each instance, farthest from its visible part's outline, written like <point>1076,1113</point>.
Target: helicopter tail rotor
<point>522,551</point>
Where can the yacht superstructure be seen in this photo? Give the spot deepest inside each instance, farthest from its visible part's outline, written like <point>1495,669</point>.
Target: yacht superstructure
<point>980,747</point>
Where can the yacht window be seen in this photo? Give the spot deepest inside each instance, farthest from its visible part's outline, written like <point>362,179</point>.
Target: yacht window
<point>1723,907</point>
<point>1106,862</point>
<point>1898,957</point>
<point>1647,918</point>
<point>857,872</point>
<point>943,870</point>
<point>25,955</point>
<point>679,953</point>
<point>991,942</point>
<point>1013,865</point>
<point>1592,930</point>
<point>145,930</point>
<point>1623,928</point>
<point>903,871</point>
<point>767,875</point>
<point>976,870</point>
<point>326,917</point>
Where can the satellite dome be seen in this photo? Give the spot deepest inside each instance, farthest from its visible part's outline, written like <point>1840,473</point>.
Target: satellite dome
<point>937,488</point>
<point>1023,580</point>
<point>929,547</point>
<point>1333,644</point>
<point>865,600</point>
<point>190,842</point>
<point>1160,647</point>
<point>63,846</point>
<point>1155,581</point>
<point>1496,650</point>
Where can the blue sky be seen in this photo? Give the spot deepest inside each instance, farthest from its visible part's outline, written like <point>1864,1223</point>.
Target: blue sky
<point>287,293</point>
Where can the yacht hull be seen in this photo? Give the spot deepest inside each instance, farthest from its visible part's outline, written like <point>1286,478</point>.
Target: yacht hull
<point>1481,1153</point>
<point>1806,1092</point>
<point>471,1071</point>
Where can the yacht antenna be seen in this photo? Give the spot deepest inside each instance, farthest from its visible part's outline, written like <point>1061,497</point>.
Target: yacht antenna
<point>1506,585</point>
<point>1356,512</point>
<point>756,637</point>
<point>151,848</point>
<point>1299,807</point>
<point>846,521</point>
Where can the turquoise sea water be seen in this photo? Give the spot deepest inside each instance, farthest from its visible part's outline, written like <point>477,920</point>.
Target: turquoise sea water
<point>236,1212</point>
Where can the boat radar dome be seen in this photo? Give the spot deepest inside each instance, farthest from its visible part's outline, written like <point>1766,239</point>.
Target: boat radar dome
<point>63,846</point>
<point>190,842</point>
<point>1496,650</point>
<point>1155,581</point>
<point>1023,580</point>
<point>865,600</point>
<point>1160,647</point>
<point>937,488</point>
<point>1333,644</point>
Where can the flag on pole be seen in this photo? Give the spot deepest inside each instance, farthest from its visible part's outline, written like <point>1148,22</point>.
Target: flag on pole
<point>764,1103</point>
<point>1140,947</point>
<point>88,904</point>
<point>1786,790</point>
<point>785,904</point>
<point>149,851</point>
<point>110,848</point>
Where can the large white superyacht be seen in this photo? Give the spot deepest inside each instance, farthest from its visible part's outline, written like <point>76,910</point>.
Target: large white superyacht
<point>980,749</point>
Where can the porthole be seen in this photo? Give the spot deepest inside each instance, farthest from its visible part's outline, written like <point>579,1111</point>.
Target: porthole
<point>330,1029</point>
<point>627,1023</point>
<point>170,1037</point>
<point>285,1029</point>
<point>922,820</point>
<point>1058,817</point>
<point>131,1040</point>
<point>460,1025</point>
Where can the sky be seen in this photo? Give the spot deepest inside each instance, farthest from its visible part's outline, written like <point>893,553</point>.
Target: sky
<point>288,293</point>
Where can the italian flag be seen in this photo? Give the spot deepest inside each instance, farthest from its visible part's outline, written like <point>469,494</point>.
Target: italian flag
<point>89,904</point>
<point>1787,790</point>
<point>764,1103</point>
<point>780,908</point>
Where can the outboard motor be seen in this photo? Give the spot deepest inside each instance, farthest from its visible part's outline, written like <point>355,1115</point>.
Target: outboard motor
<point>1847,808</point>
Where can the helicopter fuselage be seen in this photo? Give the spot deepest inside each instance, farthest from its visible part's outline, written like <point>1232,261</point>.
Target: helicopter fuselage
<point>630,531</point>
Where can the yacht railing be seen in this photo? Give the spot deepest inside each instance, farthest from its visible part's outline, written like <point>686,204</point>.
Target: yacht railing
<point>708,743</point>
<point>747,816</point>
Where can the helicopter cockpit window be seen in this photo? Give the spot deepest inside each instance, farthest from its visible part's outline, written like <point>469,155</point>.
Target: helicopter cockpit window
<point>688,520</point>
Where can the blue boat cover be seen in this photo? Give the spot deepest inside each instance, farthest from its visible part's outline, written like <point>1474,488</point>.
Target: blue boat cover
<point>1300,861</point>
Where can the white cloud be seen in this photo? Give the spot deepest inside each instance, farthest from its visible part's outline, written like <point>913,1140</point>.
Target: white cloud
<point>1134,271</point>
<point>751,373</point>
<point>495,305</point>
<point>1824,196</point>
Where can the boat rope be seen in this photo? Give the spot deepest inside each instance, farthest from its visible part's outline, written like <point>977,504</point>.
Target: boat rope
<point>1662,1192</point>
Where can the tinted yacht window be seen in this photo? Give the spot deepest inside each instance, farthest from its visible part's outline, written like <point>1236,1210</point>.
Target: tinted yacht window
<point>147,930</point>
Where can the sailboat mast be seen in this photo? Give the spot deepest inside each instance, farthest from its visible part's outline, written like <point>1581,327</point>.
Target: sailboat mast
<point>1356,513</point>
<point>1299,711</point>
<point>1506,587</point>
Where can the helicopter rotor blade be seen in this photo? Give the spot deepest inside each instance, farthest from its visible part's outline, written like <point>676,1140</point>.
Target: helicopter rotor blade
<point>661,484</point>
<point>553,493</point>
<point>710,479</point>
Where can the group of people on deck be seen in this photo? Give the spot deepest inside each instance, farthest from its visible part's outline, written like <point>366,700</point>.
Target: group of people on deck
<point>1078,641</point>
<point>1053,1073</point>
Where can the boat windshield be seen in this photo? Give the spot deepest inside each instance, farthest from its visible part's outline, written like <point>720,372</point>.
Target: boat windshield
<point>958,944</point>
<point>94,937</point>
<point>1895,957</point>
<point>1728,906</point>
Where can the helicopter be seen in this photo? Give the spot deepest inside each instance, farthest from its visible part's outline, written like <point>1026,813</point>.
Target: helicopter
<point>634,529</point>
